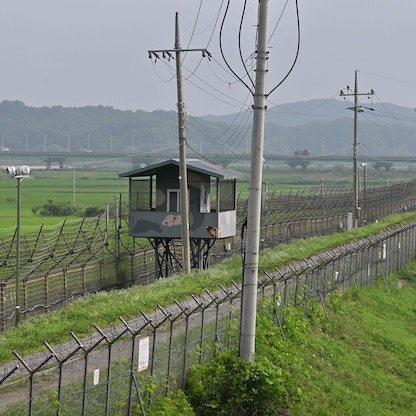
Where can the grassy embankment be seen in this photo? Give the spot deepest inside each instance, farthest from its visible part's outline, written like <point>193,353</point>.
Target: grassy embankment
<point>361,361</point>
<point>105,308</point>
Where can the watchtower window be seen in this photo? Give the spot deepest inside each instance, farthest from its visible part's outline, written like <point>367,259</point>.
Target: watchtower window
<point>226,196</point>
<point>174,199</point>
<point>205,200</point>
<point>142,196</point>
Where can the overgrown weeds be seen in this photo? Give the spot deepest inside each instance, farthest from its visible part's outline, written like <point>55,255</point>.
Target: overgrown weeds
<point>105,308</point>
<point>359,362</point>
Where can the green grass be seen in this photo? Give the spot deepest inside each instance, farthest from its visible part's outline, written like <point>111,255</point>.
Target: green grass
<point>105,308</point>
<point>361,362</point>
<point>92,188</point>
<point>96,187</point>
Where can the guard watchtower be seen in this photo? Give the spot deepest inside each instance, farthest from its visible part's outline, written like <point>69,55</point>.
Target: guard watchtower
<point>155,212</point>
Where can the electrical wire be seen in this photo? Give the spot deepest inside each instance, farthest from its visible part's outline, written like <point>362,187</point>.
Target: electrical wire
<point>232,125</point>
<point>234,138</point>
<point>222,50</point>
<point>229,83</point>
<point>237,102</point>
<point>235,145</point>
<point>209,38</point>
<point>278,21</point>
<point>296,55</point>
<point>194,27</point>
<point>239,45</point>
<point>393,115</point>
<point>173,73</point>
<point>305,113</point>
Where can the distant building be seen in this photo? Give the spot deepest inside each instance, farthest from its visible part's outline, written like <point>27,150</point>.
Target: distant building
<point>302,153</point>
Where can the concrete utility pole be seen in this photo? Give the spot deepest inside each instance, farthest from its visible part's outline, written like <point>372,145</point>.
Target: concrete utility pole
<point>357,109</point>
<point>250,276</point>
<point>183,177</point>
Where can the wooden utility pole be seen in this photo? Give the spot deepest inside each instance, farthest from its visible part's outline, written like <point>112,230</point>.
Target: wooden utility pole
<point>357,109</point>
<point>250,273</point>
<point>183,176</point>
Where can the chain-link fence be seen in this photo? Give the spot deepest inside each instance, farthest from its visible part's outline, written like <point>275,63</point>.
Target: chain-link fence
<point>74,258</point>
<point>120,370</point>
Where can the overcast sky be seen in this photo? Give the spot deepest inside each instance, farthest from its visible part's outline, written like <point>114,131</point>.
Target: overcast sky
<point>94,52</point>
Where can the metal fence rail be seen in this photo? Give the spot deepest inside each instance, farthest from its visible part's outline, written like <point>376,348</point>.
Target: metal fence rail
<point>110,372</point>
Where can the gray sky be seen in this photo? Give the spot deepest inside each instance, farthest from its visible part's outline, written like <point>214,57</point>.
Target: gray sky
<point>90,52</point>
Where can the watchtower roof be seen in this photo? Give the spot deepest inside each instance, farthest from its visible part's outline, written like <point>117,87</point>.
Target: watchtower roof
<point>196,165</point>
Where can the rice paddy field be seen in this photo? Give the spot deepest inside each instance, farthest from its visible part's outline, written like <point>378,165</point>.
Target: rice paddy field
<point>96,187</point>
<point>82,188</point>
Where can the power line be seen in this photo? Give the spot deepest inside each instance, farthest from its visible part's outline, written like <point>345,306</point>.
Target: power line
<point>296,55</point>
<point>222,50</point>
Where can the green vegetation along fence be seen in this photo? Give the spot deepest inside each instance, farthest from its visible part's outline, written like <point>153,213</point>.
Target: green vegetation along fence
<point>83,256</point>
<point>120,370</point>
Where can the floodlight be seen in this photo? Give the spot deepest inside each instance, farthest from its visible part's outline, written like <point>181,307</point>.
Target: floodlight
<point>19,171</point>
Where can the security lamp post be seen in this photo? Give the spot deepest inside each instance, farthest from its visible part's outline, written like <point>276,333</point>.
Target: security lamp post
<point>18,173</point>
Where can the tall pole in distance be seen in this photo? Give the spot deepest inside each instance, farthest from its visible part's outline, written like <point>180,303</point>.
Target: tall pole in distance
<point>19,174</point>
<point>250,277</point>
<point>17,317</point>
<point>357,109</point>
<point>355,155</point>
<point>183,177</point>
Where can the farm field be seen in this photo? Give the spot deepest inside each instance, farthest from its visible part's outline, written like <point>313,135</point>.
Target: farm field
<point>88,188</point>
<point>280,178</point>
<point>94,188</point>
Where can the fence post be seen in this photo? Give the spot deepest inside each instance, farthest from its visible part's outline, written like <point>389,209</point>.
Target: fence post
<point>2,306</point>
<point>46,291</point>
<point>349,221</point>
<point>65,282</point>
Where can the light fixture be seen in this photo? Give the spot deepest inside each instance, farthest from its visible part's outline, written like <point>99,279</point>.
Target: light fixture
<point>18,172</point>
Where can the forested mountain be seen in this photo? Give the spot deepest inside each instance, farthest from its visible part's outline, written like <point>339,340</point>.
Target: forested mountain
<point>99,129</point>
<point>321,126</point>
<point>322,110</point>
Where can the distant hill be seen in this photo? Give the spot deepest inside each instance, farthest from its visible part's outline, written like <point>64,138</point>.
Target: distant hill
<point>101,129</point>
<point>321,126</point>
<point>321,110</point>
<point>326,127</point>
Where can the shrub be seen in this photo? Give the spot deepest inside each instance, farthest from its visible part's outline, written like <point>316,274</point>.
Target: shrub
<point>92,211</point>
<point>55,209</point>
<point>231,386</point>
<point>173,405</point>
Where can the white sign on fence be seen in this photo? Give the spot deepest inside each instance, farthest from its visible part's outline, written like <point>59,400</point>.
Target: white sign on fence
<point>96,376</point>
<point>144,344</point>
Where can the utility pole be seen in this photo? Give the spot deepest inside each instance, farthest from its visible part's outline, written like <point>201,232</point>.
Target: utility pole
<point>250,272</point>
<point>183,177</point>
<point>357,109</point>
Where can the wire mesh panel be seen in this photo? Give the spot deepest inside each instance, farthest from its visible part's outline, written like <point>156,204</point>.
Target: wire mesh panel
<point>113,371</point>
<point>77,256</point>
